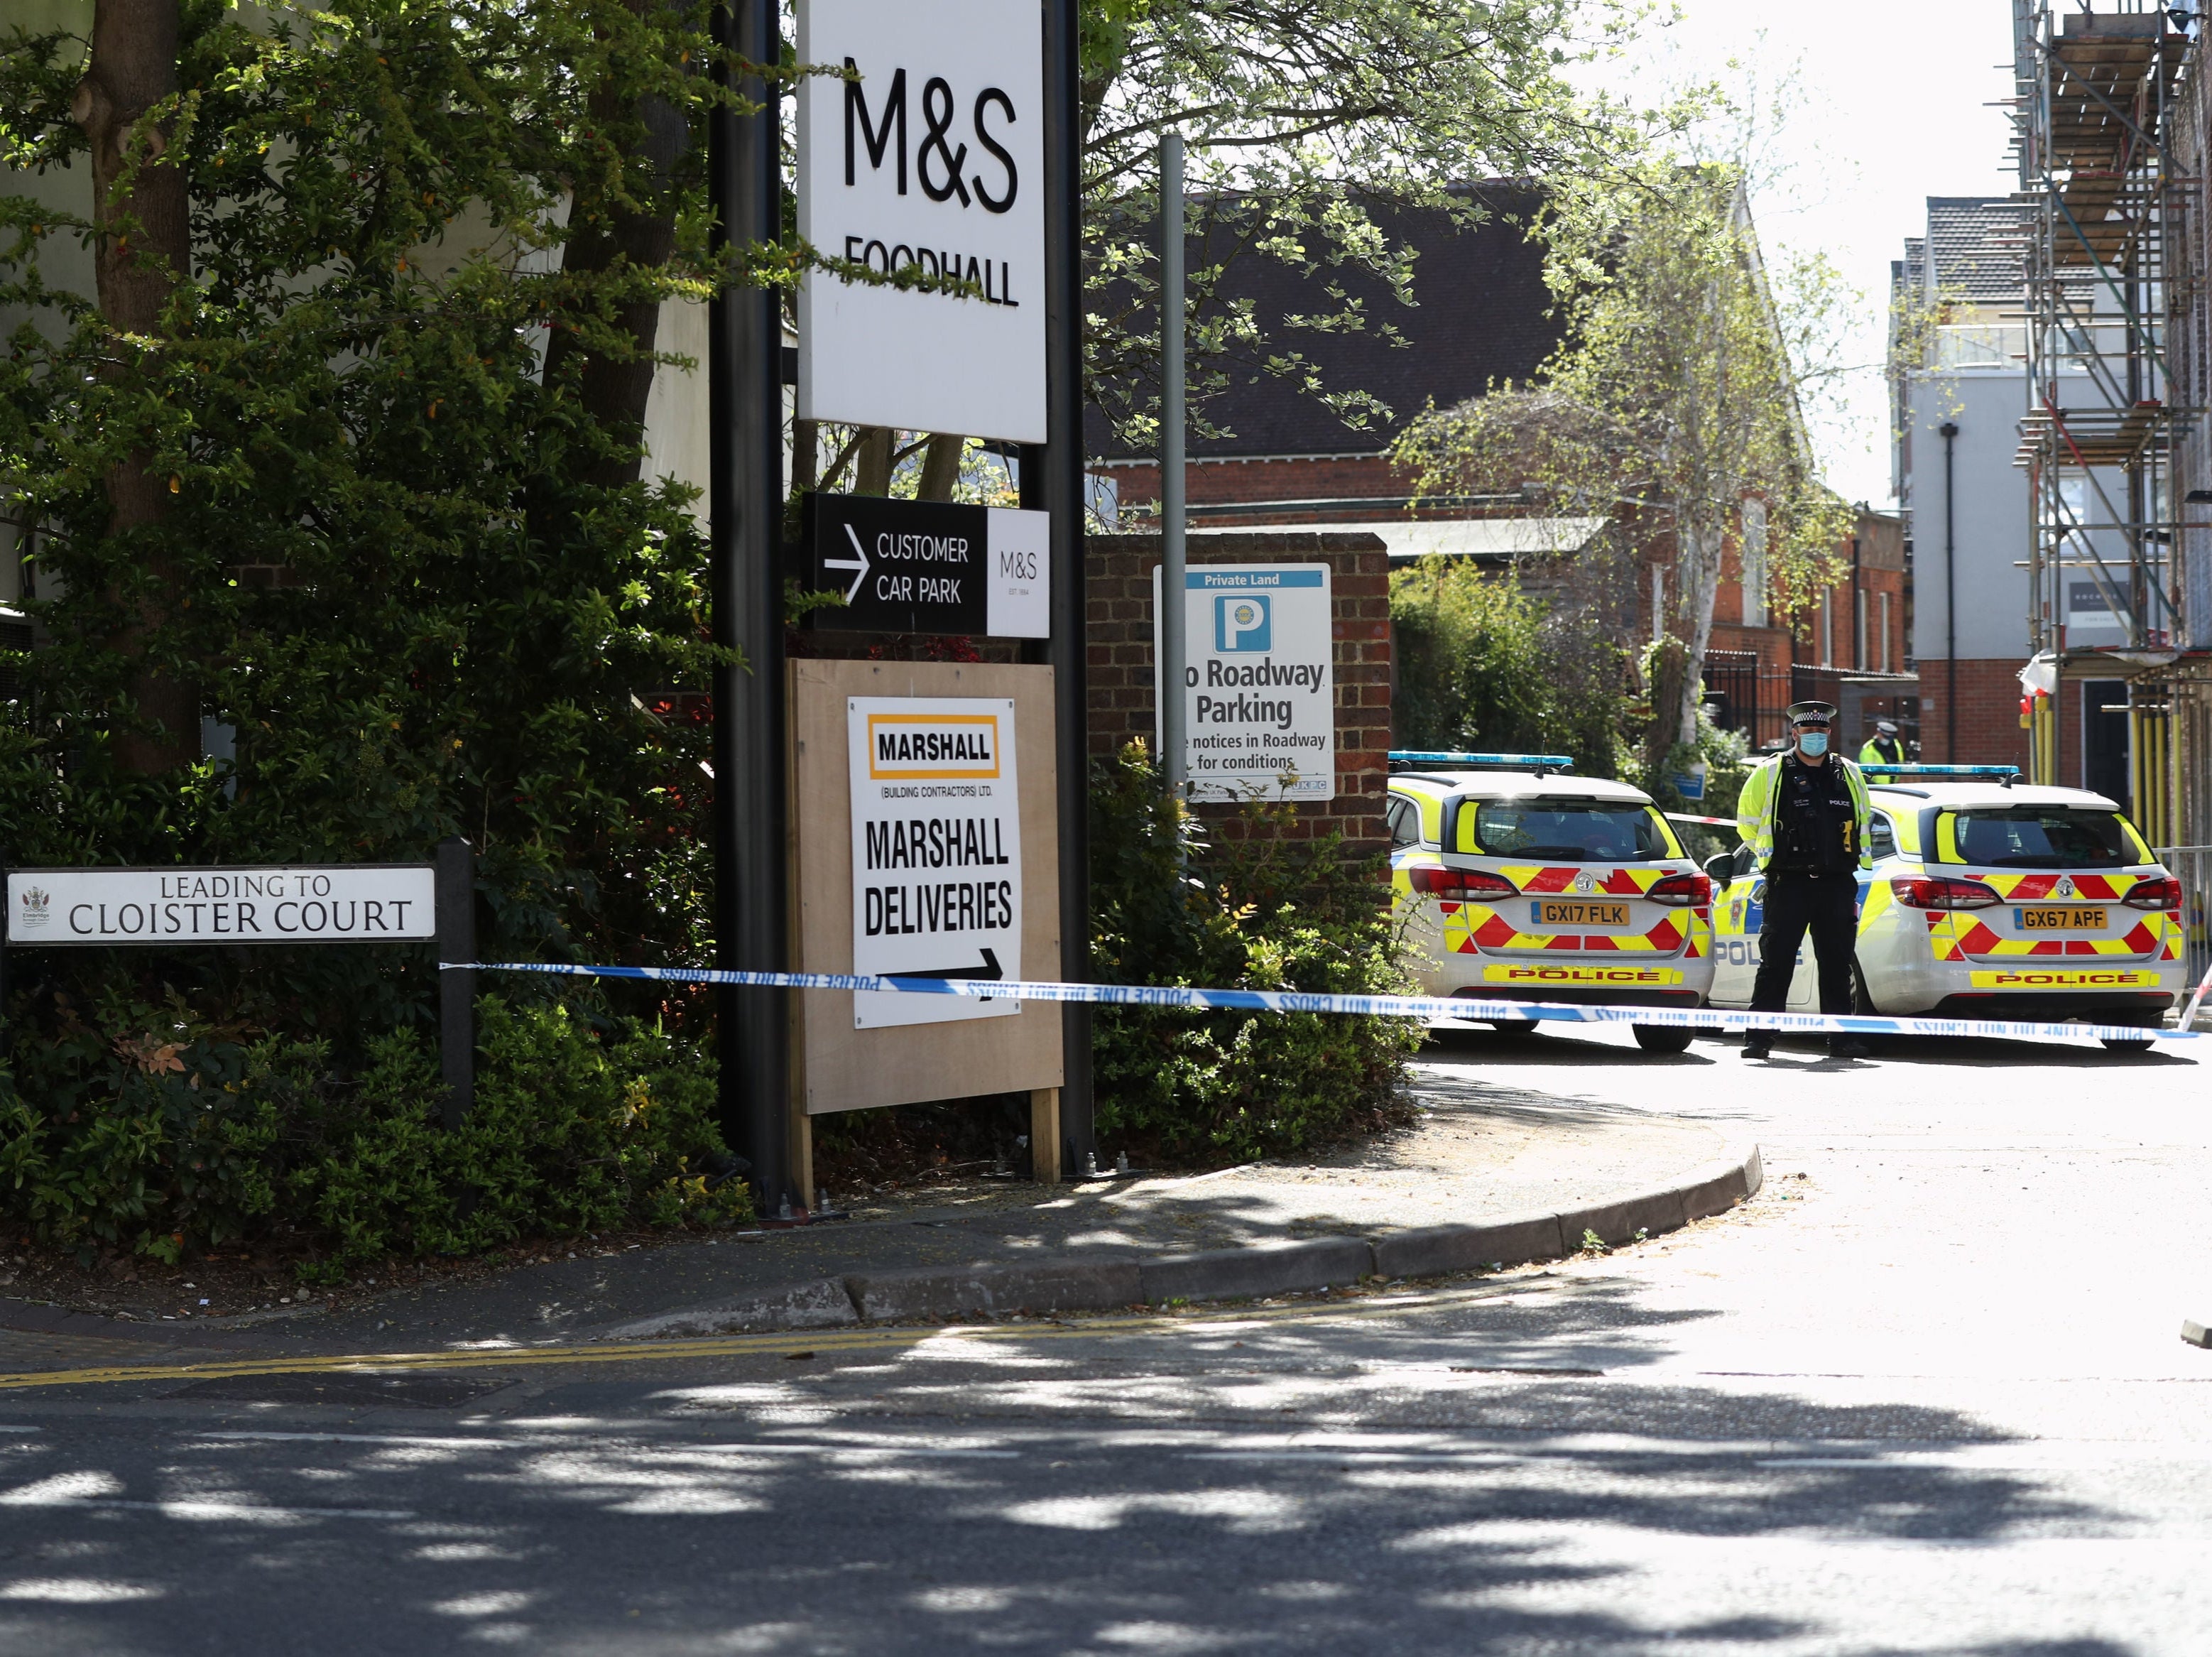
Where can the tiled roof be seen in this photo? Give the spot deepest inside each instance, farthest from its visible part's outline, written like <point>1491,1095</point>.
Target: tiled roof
<point>1972,249</point>
<point>1481,313</point>
<point>1910,272</point>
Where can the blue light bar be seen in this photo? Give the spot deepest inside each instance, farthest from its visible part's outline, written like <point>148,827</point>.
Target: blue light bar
<point>1942,771</point>
<point>1536,762</point>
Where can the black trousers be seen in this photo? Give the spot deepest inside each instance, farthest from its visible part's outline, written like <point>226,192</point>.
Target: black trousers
<point>1828,904</point>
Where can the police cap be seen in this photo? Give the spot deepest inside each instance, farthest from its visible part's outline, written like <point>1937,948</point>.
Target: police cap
<point>1886,726</point>
<point>1811,713</point>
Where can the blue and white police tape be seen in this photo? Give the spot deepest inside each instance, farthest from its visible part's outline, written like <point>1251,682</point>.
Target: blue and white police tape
<point>1303,1000</point>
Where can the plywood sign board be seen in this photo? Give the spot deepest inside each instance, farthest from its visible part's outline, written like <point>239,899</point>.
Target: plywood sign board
<point>924,841</point>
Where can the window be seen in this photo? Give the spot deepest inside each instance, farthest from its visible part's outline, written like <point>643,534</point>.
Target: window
<point>1405,822</point>
<point>1881,837</point>
<point>1557,830</point>
<point>2040,837</point>
<point>1753,561</point>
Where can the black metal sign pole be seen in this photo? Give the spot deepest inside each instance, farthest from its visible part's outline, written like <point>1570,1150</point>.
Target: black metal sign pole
<point>456,894</point>
<point>1052,481</point>
<point>745,391</point>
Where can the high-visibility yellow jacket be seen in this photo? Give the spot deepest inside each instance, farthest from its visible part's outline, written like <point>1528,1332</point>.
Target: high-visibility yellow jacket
<point>1755,808</point>
<point>1872,754</point>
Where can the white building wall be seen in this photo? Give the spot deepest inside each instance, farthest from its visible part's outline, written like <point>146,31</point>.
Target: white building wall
<point>1988,513</point>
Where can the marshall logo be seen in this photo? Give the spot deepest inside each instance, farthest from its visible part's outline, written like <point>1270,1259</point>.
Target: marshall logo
<point>1584,882</point>
<point>35,914</point>
<point>2065,888</point>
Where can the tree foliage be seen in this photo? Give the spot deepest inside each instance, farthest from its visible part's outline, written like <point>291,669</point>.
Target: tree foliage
<point>1672,398</point>
<point>406,561</point>
<point>1485,666</point>
<point>1305,120</point>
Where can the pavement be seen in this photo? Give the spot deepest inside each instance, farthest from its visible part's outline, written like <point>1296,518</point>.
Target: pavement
<point>1921,1396</point>
<point>1487,1174</point>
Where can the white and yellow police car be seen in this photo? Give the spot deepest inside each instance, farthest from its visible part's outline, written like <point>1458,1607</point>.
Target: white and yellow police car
<point>1517,882</point>
<point>1988,899</point>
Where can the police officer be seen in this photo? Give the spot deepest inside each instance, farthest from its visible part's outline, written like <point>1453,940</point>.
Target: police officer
<point>1883,748</point>
<point>1803,813</point>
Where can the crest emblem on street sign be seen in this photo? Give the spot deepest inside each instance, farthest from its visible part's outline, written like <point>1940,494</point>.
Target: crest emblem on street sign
<point>35,913</point>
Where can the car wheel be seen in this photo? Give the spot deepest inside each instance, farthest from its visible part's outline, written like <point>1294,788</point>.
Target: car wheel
<point>1662,1038</point>
<point>1517,1027</point>
<point>1862,1003</point>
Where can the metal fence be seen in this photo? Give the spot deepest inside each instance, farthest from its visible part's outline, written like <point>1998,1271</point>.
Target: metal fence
<point>1731,682</point>
<point>2192,867</point>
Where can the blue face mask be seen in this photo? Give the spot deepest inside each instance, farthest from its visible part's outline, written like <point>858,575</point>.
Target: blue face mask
<point>1812,744</point>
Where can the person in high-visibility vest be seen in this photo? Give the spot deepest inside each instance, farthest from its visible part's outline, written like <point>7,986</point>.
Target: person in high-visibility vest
<point>1883,748</point>
<point>1804,815</point>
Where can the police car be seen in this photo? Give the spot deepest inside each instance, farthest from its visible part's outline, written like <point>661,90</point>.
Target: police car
<point>1988,899</point>
<point>1518,882</point>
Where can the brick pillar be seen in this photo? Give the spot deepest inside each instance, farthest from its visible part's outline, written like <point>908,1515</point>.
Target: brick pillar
<point>1120,609</point>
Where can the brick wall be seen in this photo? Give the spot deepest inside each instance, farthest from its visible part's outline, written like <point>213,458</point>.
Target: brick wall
<point>1119,571</point>
<point>1989,712</point>
<point>1295,479</point>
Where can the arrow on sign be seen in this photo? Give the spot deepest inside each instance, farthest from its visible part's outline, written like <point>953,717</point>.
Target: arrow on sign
<point>989,971</point>
<point>860,564</point>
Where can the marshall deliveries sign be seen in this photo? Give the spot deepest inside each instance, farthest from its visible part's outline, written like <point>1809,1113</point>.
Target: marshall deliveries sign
<point>354,903</point>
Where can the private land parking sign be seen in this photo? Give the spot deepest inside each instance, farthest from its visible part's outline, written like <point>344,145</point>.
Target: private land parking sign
<point>1259,687</point>
<point>926,165</point>
<point>937,852</point>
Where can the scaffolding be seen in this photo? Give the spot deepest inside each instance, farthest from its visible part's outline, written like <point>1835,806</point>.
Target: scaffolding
<point>2109,272</point>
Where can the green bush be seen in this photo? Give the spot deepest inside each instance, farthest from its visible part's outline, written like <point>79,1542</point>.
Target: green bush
<point>1251,910</point>
<point>144,1128</point>
<point>1483,665</point>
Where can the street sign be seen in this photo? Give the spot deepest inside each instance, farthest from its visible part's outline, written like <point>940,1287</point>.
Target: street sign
<point>1259,687</point>
<point>929,567</point>
<point>929,165</point>
<point>937,852</point>
<point>350,903</point>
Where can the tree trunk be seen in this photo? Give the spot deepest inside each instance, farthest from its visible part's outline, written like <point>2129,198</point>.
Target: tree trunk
<point>871,469</point>
<point>940,467</point>
<point>1700,565</point>
<point>142,250</point>
<point>614,391</point>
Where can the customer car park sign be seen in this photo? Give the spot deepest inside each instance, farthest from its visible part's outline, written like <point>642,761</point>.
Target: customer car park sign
<point>928,567</point>
<point>927,165</point>
<point>1260,687</point>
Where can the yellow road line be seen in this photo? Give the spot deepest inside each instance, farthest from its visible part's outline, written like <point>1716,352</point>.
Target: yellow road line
<point>727,1346</point>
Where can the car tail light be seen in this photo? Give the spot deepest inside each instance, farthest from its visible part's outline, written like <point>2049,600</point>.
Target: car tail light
<point>1459,884</point>
<point>1678,890</point>
<point>2164,893</point>
<point>1926,893</point>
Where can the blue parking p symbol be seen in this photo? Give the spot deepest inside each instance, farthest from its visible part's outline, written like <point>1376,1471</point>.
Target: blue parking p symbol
<point>1241,623</point>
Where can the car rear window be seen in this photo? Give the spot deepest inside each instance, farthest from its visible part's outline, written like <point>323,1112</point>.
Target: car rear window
<point>2044,837</point>
<point>1555,831</point>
